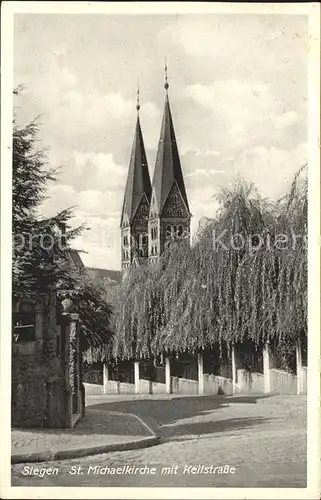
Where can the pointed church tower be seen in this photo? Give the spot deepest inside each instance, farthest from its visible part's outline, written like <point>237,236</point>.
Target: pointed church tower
<point>136,205</point>
<point>169,216</point>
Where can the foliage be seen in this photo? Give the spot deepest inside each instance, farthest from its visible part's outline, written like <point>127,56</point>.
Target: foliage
<point>225,288</point>
<point>39,244</point>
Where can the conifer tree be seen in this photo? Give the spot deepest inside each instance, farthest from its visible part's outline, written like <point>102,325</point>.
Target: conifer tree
<point>41,245</point>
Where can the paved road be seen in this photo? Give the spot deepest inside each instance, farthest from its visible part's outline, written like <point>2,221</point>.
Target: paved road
<point>263,439</point>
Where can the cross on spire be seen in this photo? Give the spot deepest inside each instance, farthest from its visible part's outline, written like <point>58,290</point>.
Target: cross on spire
<point>138,180</point>
<point>166,77</point>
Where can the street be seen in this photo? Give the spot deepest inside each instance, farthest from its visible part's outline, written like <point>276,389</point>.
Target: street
<point>206,442</point>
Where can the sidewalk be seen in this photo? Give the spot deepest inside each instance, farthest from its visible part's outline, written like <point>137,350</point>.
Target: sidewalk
<point>98,432</point>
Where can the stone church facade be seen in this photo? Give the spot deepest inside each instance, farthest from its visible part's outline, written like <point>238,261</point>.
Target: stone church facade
<point>154,213</point>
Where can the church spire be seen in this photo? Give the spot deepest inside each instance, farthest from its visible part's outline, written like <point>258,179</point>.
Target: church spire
<point>138,180</point>
<point>138,99</point>
<point>168,172</point>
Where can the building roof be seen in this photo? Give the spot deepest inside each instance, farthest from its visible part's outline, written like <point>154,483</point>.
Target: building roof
<point>75,258</point>
<point>138,180</point>
<point>110,276</point>
<point>168,166</point>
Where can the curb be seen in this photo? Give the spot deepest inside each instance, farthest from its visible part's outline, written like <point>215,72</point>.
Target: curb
<point>82,452</point>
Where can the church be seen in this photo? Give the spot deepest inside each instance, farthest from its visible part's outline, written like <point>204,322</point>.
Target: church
<point>154,213</point>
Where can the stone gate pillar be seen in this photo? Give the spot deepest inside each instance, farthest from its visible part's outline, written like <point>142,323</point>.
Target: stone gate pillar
<point>74,361</point>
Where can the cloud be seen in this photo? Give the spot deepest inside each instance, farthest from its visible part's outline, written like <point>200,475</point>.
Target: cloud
<point>202,204</point>
<point>204,173</point>
<point>199,152</point>
<point>97,170</point>
<point>271,169</point>
<point>243,45</point>
<point>88,201</point>
<point>74,117</point>
<point>101,241</point>
<point>59,197</point>
<point>286,119</point>
<point>99,213</point>
<point>98,109</point>
<point>245,113</point>
<point>238,94</point>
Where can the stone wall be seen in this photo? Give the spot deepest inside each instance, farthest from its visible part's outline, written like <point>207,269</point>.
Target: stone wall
<point>282,382</point>
<point>28,391</point>
<point>184,386</point>
<point>304,379</point>
<point>217,385</point>
<point>38,393</point>
<point>93,389</point>
<point>45,381</point>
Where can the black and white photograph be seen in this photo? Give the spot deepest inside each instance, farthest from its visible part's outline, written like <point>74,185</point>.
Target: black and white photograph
<point>159,289</point>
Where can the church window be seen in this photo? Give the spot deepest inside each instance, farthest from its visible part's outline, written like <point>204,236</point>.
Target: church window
<point>173,231</point>
<point>174,198</point>
<point>144,239</point>
<point>170,212</point>
<point>125,240</point>
<point>179,213</point>
<point>144,209</point>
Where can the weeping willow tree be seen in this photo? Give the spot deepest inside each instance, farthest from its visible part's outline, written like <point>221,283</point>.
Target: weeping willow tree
<point>244,278</point>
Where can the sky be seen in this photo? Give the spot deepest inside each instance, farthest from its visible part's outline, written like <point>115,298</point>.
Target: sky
<point>238,95</point>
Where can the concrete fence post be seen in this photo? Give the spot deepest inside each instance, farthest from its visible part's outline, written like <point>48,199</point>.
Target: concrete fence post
<point>233,371</point>
<point>266,369</point>
<point>136,376</point>
<point>299,368</point>
<point>168,375</point>
<point>105,378</point>
<point>200,373</point>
